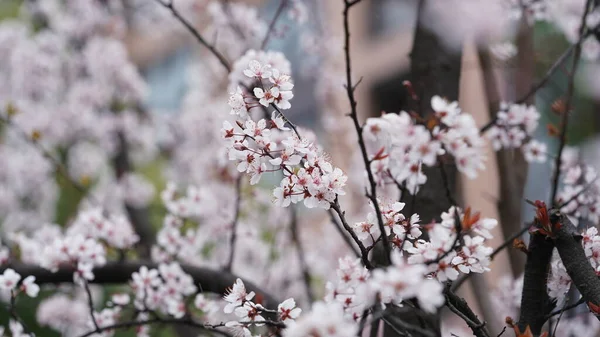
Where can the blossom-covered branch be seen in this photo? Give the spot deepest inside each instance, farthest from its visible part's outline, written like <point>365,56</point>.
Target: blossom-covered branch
<point>350,88</point>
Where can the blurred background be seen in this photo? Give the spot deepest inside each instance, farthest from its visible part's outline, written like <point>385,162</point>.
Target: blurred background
<point>383,34</point>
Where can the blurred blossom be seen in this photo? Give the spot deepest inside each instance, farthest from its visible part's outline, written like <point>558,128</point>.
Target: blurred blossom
<point>504,50</point>
<point>456,20</point>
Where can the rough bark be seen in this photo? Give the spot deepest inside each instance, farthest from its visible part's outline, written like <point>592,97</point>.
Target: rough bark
<point>435,70</point>
<point>583,275</point>
<point>512,170</point>
<point>535,303</point>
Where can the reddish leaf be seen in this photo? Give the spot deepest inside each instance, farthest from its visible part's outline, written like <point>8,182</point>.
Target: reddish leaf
<point>552,130</point>
<point>594,308</point>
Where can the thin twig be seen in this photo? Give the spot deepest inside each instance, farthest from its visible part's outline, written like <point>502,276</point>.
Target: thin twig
<point>541,83</point>
<point>282,5</point>
<point>363,251</point>
<point>12,308</point>
<point>169,5</point>
<point>460,307</point>
<point>509,241</point>
<point>90,300</point>
<point>562,311</point>
<point>567,308</point>
<point>372,194</point>
<point>340,230</point>
<point>568,103</point>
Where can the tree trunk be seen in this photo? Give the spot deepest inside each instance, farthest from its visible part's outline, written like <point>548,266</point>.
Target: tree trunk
<point>435,70</point>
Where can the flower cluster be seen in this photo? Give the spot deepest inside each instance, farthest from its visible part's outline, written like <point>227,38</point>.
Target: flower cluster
<point>70,87</point>
<point>163,289</point>
<point>513,127</point>
<point>404,280</point>
<point>357,289</point>
<point>351,289</point>
<point>277,91</point>
<point>239,301</point>
<point>579,196</point>
<point>64,313</point>
<point>395,224</point>
<point>115,230</point>
<point>170,241</point>
<point>566,16</point>
<point>399,146</point>
<point>459,136</point>
<point>445,260</point>
<point>324,319</point>
<point>260,147</point>
<point>9,283</point>
<point>60,249</point>
<point>267,59</point>
<point>190,205</point>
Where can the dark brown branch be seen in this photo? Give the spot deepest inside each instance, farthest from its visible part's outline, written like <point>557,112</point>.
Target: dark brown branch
<point>343,234</point>
<point>363,251</point>
<point>568,103</point>
<point>372,194</point>
<point>159,320</point>
<point>208,280</point>
<point>581,272</point>
<point>169,5</point>
<point>535,302</point>
<point>460,307</point>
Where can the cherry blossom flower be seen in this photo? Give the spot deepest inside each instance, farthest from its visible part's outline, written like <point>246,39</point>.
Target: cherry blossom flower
<point>266,97</point>
<point>535,151</point>
<point>256,70</point>
<point>249,313</point>
<point>238,104</point>
<point>279,121</point>
<point>206,305</point>
<point>324,319</point>
<point>29,286</point>
<point>403,281</point>
<point>9,279</point>
<point>446,111</point>
<point>288,311</point>
<point>237,296</point>
<point>121,299</point>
